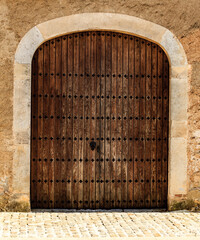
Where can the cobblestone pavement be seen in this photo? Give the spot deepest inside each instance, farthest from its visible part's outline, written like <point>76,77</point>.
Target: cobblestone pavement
<point>99,224</point>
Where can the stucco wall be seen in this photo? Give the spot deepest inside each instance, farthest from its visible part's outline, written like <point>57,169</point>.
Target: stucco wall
<point>17,17</point>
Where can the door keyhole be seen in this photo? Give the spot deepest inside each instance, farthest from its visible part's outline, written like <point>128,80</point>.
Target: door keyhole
<point>92,145</point>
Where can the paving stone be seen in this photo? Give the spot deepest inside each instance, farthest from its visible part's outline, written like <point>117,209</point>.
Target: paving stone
<point>99,224</point>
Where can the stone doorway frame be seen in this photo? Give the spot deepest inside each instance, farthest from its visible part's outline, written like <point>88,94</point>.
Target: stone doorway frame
<point>178,99</point>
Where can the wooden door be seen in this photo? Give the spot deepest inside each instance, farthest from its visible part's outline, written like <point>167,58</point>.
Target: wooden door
<point>99,130</point>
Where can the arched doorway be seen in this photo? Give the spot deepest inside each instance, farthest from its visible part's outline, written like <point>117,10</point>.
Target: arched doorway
<point>178,87</point>
<point>99,133</point>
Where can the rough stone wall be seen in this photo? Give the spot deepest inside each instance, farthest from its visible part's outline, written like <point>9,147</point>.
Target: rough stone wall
<point>17,17</point>
<point>191,45</point>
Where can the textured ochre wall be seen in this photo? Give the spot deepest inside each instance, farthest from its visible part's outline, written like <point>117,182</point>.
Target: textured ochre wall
<point>17,17</point>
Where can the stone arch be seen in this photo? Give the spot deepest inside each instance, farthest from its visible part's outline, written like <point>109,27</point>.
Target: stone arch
<point>177,175</point>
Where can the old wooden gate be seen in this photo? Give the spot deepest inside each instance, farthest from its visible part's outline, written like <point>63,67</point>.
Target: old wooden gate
<point>99,122</point>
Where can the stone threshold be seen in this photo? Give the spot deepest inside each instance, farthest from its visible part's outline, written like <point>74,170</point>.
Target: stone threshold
<point>99,210</point>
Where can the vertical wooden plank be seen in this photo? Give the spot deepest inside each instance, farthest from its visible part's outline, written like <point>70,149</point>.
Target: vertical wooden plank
<point>93,105</point>
<point>57,138</point>
<point>108,75</point>
<point>159,128</point>
<point>142,119</point>
<point>113,121</point>
<point>46,120</point>
<point>75,123</point>
<point>82,136</point>
<point>69,130</point>
<point>52,122</point>
<point>98,118</point>
<point>64,125</point>
<point>102,132</point>
<point>40,128</point>
<point>154,127</point>
<point>119,121</point>
<point>136,124</point>
<point>125,140</point>
<point>87,148</point>
<point>130,160</point>
<point>34,133</point>
<point>148,120</point>
<point>165,119</point>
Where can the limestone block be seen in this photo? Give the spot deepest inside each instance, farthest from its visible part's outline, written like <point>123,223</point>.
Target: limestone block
<point>101,21</point>
<point>22,97</point>
<point>21,72</point>
<point>22,118</point>
<point>174,49</point>
<point>28,45</point>
<point>178,99</point>
<point>180,72</point>
<point>21,169</point>
<point>177,166</point>
<point>21,137</point>
<point>179,129</point>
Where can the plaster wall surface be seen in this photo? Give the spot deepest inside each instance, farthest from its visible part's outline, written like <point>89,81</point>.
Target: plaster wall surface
<point>181,17</point>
